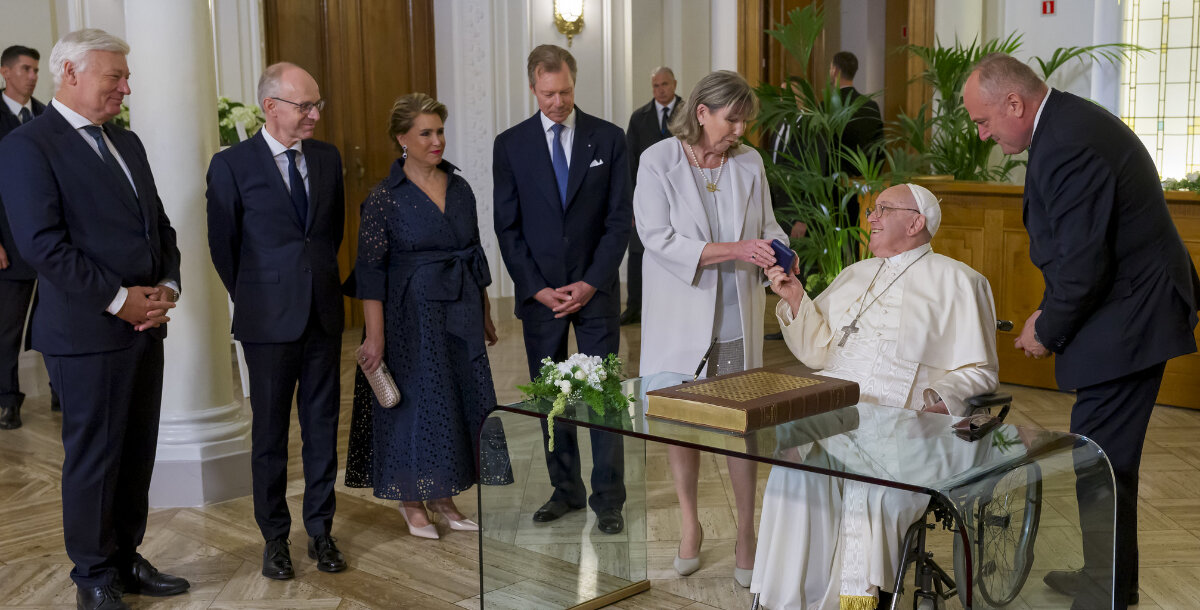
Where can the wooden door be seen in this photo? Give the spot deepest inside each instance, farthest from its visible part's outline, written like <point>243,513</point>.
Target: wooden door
<point>363,54</point>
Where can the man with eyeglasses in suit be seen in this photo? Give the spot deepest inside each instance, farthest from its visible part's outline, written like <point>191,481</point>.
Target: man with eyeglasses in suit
<point>275,219</point>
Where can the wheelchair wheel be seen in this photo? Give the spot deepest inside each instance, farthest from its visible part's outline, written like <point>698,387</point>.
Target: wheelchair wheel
<point>926,604</point>
<point>1005,527</point>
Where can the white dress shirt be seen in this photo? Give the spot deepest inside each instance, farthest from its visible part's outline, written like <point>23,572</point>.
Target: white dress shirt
<point>78,122</point>
<point>1038,117</point>
<point>15,107</point>
<point>278,152</point>
<point>567,137</point>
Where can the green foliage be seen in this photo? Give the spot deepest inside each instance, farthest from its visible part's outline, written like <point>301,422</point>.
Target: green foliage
<point>1113,53</point>
<point>588,379</point>
<point>816,190</point>
<point>944,140</point>
<point>1190,182</point>
<point>122,119</point>
<point>1003,442</point>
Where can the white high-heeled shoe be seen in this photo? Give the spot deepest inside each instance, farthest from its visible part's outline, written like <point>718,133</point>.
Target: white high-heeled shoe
<point>686,567</point>
<point>458,525</point>
<point>742,576</point>
<point>461,525</point>
<point>424,531</point>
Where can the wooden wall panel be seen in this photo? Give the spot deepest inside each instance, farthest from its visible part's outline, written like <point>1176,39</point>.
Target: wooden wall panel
<point>363,54</point>
<point>991,213</point>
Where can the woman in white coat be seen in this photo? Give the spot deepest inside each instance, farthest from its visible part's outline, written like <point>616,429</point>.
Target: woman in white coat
<point>703,211</point>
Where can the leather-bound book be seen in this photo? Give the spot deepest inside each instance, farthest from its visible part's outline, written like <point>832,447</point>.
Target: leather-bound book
<point>753,399</point>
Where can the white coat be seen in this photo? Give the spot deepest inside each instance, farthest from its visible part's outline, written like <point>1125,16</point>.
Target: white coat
<point>679,298</point>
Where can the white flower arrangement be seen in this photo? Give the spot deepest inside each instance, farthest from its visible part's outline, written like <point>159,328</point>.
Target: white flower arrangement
<point>590,379</point>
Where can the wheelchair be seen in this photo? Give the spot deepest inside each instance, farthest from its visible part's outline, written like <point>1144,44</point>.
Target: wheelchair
<point>1002,522</point>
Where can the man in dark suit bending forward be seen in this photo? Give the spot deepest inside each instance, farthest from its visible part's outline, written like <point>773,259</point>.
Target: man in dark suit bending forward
<point>1120,298</point>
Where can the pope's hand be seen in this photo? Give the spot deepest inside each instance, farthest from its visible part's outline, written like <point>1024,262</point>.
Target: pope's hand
<point>787,286</point>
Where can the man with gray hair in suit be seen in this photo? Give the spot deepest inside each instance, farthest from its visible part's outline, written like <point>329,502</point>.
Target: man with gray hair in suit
<point>86,215</point>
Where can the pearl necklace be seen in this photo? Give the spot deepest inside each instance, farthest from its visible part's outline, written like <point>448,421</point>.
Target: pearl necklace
<point>711,185</point>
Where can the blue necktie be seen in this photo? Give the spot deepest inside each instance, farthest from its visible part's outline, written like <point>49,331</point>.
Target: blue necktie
<point>25,116</point>
<point>666,115</point>
<point>296,181</point>
<point>559,159</point>
<point>110,160</point>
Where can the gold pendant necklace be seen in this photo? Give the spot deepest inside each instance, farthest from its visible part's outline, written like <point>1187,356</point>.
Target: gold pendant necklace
<point>711,185</point>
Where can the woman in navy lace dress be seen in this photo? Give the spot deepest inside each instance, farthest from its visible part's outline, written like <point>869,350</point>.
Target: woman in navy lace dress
<point>421,274</point>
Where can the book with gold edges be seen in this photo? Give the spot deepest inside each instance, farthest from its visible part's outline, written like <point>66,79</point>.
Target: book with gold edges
<point>753,399</point>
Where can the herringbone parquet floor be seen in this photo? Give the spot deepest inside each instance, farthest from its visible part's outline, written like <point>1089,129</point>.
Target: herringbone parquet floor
<point>218,547</point>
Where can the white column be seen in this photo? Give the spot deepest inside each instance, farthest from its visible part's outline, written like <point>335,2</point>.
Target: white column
<point>1106,77</point>
<point>725,36</point>
<point>962,21</point>
<point>203,440</point>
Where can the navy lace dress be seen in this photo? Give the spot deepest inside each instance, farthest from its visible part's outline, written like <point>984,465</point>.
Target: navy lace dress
<point>429,270</point>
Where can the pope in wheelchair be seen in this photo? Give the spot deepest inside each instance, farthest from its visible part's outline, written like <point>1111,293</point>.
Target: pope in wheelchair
<point>914,329</point>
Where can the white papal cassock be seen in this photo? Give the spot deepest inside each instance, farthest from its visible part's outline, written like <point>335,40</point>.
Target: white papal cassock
<point>827,543</point>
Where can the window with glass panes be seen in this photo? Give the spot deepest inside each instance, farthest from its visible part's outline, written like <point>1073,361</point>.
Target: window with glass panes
<point>1158,96</point>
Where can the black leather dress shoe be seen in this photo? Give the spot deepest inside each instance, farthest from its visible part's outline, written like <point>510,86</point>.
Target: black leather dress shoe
<point>1072,582</point>
<point>145,579</point>
<point>277,560</point>
<point>553,510</point>
<point>329,558</point>
<point>610,521</point>
<point>10,417</point>
<point>631,316</point>
<point>99,598</point>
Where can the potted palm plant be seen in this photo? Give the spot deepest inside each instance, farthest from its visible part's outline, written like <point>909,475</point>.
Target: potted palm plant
<point>940,139</point>
<point>803,122</point>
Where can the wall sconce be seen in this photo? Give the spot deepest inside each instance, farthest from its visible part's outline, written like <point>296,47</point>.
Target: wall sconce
<point>568,17</point>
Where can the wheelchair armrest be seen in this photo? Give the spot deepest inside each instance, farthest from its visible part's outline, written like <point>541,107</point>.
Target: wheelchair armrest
<point>984,401</point>
<point>987,401</point>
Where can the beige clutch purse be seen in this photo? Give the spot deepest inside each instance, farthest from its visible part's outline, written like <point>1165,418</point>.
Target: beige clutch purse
<point>382,384</point>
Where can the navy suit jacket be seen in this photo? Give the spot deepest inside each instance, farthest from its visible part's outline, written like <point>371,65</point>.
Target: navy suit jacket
<point>74,224</point>
<point>1121,290</point>
<point>544,245</point>
<point>17,269</point>
<point>276,268</point>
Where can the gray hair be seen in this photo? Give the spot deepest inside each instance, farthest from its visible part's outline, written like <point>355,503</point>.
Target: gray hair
<point>1000,74</point>
<point>715,91</point>
<point>269,82</point>
<point>660,70</point>
<point>75,47</point>
<point>549,58</point>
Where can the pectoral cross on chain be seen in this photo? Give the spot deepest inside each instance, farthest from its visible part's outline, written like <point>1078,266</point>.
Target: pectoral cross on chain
<point>846,330</point>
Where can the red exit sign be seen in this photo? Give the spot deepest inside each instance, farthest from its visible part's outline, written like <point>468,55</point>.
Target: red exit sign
<point>1048,7</point>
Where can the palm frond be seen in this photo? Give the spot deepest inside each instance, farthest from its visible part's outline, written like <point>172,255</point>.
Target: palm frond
<point>1112,53</point>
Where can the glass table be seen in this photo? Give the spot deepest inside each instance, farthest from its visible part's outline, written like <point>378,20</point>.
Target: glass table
<point>1011,498</point>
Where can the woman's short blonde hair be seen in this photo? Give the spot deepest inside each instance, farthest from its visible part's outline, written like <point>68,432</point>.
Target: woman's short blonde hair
<point>718,90</point>
<point>407,108</point>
